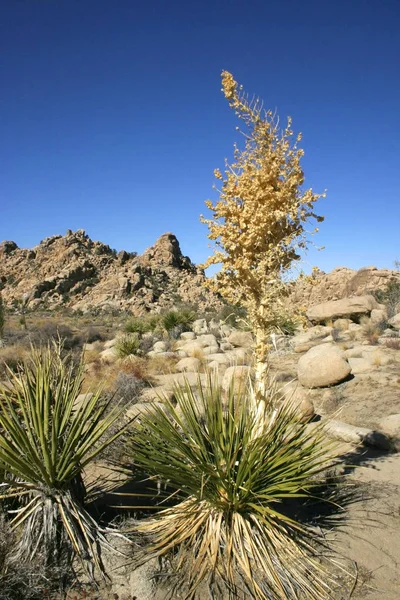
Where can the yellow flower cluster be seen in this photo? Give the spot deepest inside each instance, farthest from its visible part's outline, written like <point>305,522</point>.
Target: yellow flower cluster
<point>258,223</point>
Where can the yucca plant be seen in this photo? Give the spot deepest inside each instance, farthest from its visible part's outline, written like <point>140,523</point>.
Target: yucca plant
<point>174,318</point>
<point>46,440</point>
<point>127,344</point>
<point>237,492</point>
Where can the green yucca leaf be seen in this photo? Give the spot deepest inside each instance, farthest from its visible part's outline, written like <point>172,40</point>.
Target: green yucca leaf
<point>237,489</point>
<point>45,442</point>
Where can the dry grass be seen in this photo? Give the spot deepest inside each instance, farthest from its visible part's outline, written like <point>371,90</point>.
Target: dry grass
<point>12,357</point>
<point>161,365</point>
<point>392,343</point>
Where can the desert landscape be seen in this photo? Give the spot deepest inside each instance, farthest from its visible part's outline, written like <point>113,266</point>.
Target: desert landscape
<point>340,365</point>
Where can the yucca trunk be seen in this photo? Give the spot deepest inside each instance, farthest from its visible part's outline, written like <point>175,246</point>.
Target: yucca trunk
<point>261,375</point>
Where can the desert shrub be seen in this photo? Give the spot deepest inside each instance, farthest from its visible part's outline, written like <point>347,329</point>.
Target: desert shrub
<point>287,325</point>
<point>128,388</point>
<point>142,324</point>
<point>174,319</point>
<point>241,492</point>
<point>393,343</point>
<point>52,332</point>
<point>147,342</point>
<point>11,358</point>
<point>138,367</point>
<point>372,331</point>
<point>390,297</point>
<point>127,344</point>
<point>94,334</point>
<point>232,315</point>
<point>47,440</point>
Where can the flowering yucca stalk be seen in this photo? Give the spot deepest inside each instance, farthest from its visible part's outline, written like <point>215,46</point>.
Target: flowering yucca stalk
<point>261,221</point>
<point>236,490</point>
<point>46,440</point>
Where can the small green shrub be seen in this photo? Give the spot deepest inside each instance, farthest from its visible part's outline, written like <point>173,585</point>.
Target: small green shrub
<point>232,315</point>
<point>143,324</point>
<point>127,344</point>
<point>177,318</point>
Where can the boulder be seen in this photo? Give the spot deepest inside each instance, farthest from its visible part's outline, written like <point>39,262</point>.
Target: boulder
<point>391,425</point>
<point>207,340</point>
<point>110,344</point>
<point>241,339</point>
<point>221,359</point>
<point>360,365</point>
<point>237,376</point>
<point>109,355</point>
<point>357,435</point>
<point>300,398</point>
<point>210,350</point>
<point>188,364</point>
<point>323,366</point>
<point>395,321</point>
<point>200,326</point>
<point>192,348</point>
<point>188,335</point>
<point>352,308</point>
<point>378,315</point>
<point>159,347</point>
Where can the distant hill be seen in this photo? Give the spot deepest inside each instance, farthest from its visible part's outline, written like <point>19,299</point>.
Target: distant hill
<point>77,272</point>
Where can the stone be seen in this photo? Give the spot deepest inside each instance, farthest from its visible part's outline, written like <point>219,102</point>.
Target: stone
<point>214,365</point>
<point>207,350</point>
<point>109,344</point>
<point>156,394</point>
<point>108,356</point>
<point>192,348</point>
<point>360,365</point>
<point>238,377</point>
<point>188,335</point>
<point>323,366</point>
<point>221,359</point>
<point>395,321</point>
<point>342,324</point>
<point>207,340</point>
<point>346,307</point>
<point>82,399</point>
<point>142,408</point>
<point>200,326</point>
<point>300,398</point>
<point>225,346</point>
<point>241,339</point>
<point>356,435</point>
<point>378,315</point>
<point>189,364</point>
<point>391,425</point>
<point>160,347</point>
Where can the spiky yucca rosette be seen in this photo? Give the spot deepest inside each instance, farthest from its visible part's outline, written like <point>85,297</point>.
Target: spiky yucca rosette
<point>237,493</point>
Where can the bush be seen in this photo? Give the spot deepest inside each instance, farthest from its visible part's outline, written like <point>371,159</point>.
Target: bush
<point>47,440</point>
<point>241,491</point>
<point>127,344</point>
<point>177,318</point>
<point>142,325</point>
<point>232,315</point>
<point>128,388</point>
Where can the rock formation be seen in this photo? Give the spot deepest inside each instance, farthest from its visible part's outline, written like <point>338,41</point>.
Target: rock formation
<point>341,283</point>
<point>77,272</point>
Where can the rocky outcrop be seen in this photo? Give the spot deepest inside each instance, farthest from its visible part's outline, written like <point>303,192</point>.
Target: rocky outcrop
<point>340,283</point>
<point>352,308</point>
<point>77,272</point>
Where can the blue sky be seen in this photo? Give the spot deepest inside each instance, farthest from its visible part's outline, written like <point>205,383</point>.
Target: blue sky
<point>112,119</point>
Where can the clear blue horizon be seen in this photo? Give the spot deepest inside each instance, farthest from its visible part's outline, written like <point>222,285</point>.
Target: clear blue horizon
<point>112,119</point>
